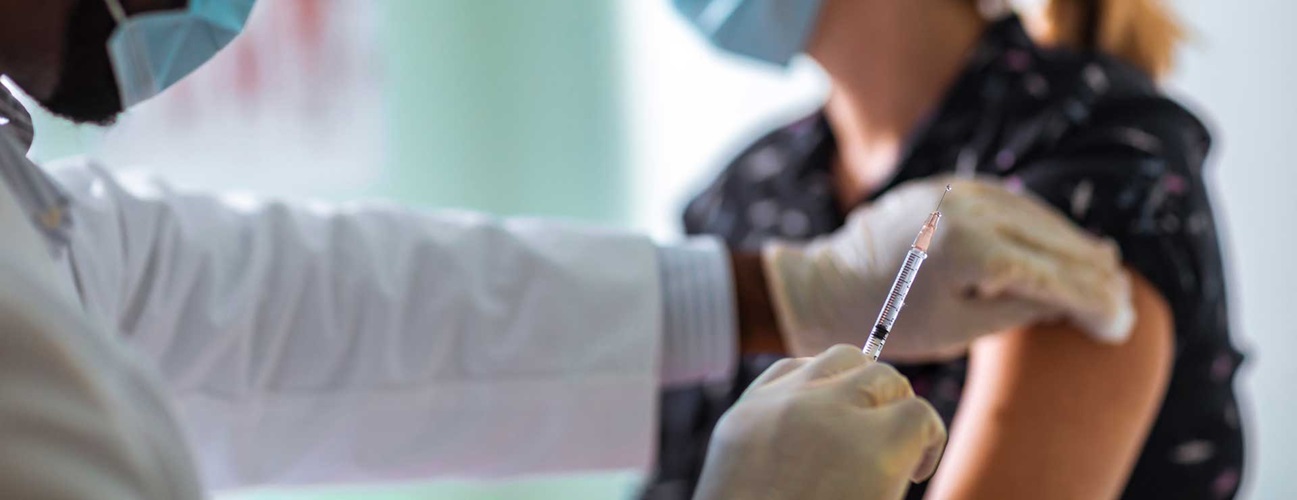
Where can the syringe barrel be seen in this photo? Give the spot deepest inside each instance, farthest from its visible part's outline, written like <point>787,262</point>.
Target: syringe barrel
<point>899,289</point>
<point>901,286</point>
<point>874,346</point>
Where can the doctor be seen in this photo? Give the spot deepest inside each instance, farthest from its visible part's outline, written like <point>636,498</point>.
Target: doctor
<point>155,339</point>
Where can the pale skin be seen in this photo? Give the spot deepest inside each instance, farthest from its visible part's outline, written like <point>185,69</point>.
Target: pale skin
<point>1046,412</point>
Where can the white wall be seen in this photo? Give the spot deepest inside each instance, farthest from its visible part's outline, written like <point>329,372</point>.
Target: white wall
<point>691,108</point>
<point>1241,71</point>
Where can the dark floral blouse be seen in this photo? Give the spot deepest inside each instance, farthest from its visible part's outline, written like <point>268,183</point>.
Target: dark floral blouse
<point>1091,136</point>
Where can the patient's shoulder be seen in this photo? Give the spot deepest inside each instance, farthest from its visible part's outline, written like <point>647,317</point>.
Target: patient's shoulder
<point>1048,409</point>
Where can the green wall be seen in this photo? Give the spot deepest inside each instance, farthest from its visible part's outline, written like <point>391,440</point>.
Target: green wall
<point>509,106</point>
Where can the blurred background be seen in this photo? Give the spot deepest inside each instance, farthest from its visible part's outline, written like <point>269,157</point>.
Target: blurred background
<point>613,112</point>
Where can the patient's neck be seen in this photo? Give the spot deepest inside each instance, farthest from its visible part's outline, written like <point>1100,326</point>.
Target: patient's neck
<point>889,62</point>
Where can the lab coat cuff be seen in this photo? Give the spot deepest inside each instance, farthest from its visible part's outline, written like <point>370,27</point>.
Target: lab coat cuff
<point>700,339</point>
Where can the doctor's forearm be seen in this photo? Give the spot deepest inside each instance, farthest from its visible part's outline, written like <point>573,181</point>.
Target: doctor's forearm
<point>758,330</point>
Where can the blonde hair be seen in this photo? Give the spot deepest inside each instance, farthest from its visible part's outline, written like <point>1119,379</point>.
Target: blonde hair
<point>1143,33</point>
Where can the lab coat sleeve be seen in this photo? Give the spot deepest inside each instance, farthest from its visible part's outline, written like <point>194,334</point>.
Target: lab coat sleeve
<point>700,322</point>
<point>308,344</point>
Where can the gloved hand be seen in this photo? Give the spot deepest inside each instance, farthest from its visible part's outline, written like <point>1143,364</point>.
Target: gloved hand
<point>999,260</point>
<point>836,426</point>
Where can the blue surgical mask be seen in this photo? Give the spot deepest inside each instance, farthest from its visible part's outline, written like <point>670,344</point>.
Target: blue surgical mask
<point>152,51</point>
<point>770,30</point>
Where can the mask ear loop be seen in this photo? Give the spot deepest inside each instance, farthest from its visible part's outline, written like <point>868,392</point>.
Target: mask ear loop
<point>115,9</point>
<point>136,53</point>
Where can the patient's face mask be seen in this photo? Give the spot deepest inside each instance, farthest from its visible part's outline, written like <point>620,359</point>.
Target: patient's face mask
<point>769,30</point>
<point>151,51</point>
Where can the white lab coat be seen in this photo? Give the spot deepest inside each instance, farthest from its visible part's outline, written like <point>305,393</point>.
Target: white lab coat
<point>303,344</point>
<point>81,416</point>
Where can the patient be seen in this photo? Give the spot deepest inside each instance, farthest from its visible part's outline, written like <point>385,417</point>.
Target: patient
<point>1072,113</point>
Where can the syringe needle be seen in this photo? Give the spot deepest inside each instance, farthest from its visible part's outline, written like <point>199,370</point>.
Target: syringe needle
<point>943,198</point>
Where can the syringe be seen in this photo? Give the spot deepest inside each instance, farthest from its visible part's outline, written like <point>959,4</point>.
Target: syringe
<point>901,287</point>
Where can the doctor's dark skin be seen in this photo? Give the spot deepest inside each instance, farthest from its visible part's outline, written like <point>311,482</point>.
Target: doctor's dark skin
<point>55,50</point>
<point>758,330</point>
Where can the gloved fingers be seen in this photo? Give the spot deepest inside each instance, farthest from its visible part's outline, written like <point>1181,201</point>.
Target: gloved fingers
<point>837,359</point>
<point>1098,303</point>
<point>983,316</point>
<point>775,372</point>
<point>875,384</point>
<point>1059,240</point>
<point>1033,275</point>
<point>1111,318</point>
<point>903,200</point>
<point>986,210</point>
<point>1008,313</point>
<point>918,339</point>
<point>803,285</point>
<point>928,464</point>
<point>914,425</point>
<point>1095,294</point>
<point>1010,272</point>
<point>1055,283</point>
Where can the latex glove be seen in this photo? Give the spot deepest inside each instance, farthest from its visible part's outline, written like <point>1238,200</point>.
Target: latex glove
<point>833,427</point>
<point>999,260</point>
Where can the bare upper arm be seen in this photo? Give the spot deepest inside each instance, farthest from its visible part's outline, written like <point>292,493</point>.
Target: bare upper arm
<point>1048,413</point>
